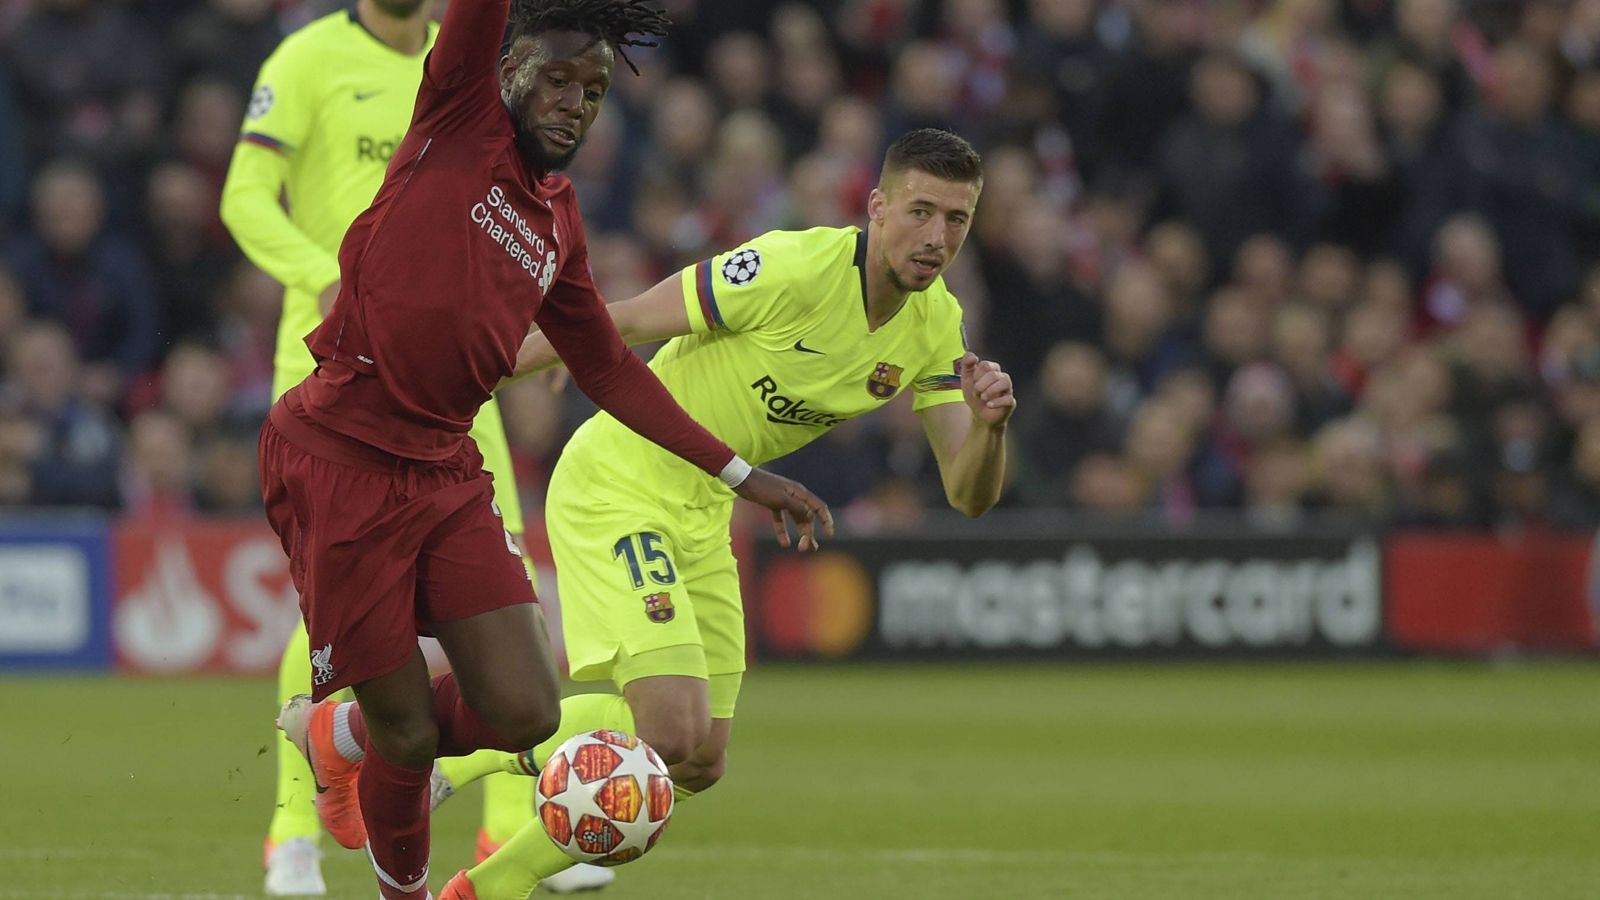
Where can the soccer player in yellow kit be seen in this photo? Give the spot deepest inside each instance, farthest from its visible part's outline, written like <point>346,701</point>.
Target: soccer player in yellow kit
<point>772,344</point>
<point>329,108</point>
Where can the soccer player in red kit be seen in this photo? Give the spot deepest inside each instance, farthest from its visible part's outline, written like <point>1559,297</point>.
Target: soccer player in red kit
<point>370,481</point>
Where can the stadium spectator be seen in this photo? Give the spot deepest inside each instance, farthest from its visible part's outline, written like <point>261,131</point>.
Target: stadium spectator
<point>1036,305</point>
<point>739,71</point>
<point>926,89</point>
<point>1230,166</point>
<point>1146,88</point>
<point>90,78</point>
<point>1348,470</point>
<point>1139,335</point>
<point>226,40</point>
<point>156,480</point>
<point>1105,483</point>
<point>1235,332</point>
<point>57,448</point>
<point>1519,169</point>
<point>1177,251</point>
<point>13,160</point>
<point>812,77</point>
<point>1071,422</point>
<point>189,263</point>
<point>1411,115</point>
<point>1160,446</point>
<point>1301,340</point>
<point>1264,267</point>
<point>1427,33</point>
<point>91,281</point>
<point>1062,51</point>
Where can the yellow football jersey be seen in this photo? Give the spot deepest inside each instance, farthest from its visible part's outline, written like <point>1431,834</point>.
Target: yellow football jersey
<point>780,353</point>
<point>329,108</point>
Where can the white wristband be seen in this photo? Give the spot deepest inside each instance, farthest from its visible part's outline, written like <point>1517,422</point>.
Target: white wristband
<point>735,472</point>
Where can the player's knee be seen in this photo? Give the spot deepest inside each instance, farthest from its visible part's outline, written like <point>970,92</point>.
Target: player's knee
<point>527,723</point>
<point>408,743</point>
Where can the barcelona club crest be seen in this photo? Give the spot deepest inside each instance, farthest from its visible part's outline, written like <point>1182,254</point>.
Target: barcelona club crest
<point>659,607</point>
<point>884,381</point>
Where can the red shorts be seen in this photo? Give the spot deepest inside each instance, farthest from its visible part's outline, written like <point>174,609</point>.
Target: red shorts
<point>380,547</point>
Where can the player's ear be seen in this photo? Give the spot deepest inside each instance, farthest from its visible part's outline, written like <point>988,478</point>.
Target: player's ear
<point>876,202</point>
<point>506,68</point>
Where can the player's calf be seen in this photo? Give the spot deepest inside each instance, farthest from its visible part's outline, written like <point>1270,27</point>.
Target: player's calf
<point>671,713</point>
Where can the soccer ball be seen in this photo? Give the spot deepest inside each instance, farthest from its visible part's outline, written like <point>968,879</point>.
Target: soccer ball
<point>604,798</point>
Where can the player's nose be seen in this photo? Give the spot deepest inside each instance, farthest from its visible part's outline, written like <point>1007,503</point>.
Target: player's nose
<point>570,100</point>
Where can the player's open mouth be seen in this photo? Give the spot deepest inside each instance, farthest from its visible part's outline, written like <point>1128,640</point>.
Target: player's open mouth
<point>925,266</point>
<point>561,137</point>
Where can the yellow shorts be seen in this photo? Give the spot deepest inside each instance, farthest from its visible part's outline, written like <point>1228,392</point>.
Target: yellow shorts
<point>645,592</point>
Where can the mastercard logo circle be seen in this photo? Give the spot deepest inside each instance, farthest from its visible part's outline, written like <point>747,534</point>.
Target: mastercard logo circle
<point>816,605</point>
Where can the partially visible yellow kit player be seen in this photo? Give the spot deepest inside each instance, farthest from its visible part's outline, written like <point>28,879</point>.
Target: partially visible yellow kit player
<point>329,107</point>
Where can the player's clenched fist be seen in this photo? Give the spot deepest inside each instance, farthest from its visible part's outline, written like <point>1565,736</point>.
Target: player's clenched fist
<point>987,389</point>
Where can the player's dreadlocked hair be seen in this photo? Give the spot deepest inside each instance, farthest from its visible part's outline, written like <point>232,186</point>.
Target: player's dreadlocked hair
<point>612,21</point>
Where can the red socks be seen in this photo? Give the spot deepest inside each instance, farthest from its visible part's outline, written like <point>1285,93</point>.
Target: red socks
<point>460,730</point>
<point>394,803</point>
<point>394,800</point>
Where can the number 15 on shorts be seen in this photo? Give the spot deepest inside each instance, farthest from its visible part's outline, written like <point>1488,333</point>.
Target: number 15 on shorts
<point>644,557</point>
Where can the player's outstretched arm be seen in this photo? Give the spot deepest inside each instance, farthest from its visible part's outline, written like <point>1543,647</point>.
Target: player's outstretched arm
<point>969,439</point>
<point>655,315</point>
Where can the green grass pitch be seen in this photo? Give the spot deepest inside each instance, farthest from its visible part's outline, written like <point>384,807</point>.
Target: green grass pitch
<point>1405,780</point>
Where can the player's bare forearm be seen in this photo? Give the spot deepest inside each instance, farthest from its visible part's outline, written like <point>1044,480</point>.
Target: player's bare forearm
<point>655,315</point>
<point>977,473</point>
<point>969,439</point>
<point>535,355</point>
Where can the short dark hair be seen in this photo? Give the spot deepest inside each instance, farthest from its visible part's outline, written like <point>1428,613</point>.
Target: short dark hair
<point>942,154</point>
<point>613,21</point>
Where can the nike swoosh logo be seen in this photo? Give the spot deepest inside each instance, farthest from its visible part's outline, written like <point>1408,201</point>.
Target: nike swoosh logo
<point>804,349</point>
<point>366,96</point>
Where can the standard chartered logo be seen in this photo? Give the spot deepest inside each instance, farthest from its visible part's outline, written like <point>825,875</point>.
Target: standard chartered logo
<point>496,217</point>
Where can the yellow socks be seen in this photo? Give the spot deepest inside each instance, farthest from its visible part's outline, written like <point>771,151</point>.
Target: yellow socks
<point>507,805</point>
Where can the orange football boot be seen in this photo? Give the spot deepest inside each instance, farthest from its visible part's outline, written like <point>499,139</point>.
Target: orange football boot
<point>309,726</point>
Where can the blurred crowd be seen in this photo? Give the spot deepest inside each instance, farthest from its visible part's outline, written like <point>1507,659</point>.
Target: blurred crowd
<point>1290,258</point>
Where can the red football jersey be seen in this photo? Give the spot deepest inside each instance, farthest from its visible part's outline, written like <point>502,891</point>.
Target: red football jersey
<point>461,252</point>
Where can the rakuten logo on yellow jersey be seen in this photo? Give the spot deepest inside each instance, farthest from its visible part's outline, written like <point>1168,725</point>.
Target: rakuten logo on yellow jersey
<point>790,410</point>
